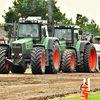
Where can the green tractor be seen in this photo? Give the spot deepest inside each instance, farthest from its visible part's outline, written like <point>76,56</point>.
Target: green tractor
<point>33,45</point>
<point>76,55</point>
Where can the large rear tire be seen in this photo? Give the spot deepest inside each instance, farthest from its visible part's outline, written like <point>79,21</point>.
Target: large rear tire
<point>4,65</point>
<point>69,61</point>
<point>38,60</point>
<point>90,58</point>
<point>80,67</point>
<point>54,59</point>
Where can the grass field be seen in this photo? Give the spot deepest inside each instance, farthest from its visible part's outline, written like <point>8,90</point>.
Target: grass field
<point>90,97</point>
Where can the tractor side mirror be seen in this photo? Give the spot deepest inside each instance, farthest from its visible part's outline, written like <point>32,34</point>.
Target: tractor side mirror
<point>6,28</point>
<point>80,32</point>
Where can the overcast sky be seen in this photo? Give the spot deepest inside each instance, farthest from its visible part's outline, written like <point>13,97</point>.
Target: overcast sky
<point>89,8</point>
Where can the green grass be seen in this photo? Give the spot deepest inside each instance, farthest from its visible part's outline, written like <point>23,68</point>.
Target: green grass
<point>90,97</point>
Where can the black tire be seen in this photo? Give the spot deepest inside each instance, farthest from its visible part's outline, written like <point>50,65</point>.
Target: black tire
<point>99,63</point>
<point>60,69</point>
<point>80,67</point>
<point>90,58</point>
<point>38,60</point>
<point>54,59</point>
<point>17,69</point>
<point>4,65</point>
<point>69,61</point>
<point>85,65</point>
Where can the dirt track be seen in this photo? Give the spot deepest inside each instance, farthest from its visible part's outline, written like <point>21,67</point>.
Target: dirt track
<point>44,87</point>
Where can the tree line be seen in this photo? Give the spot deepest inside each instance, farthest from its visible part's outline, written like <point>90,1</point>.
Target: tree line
<point>41,7</point>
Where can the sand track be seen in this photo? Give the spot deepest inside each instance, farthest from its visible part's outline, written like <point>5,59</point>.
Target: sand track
<point>44,87</point>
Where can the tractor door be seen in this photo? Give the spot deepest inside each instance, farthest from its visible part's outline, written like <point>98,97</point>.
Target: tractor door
<point>76,36</point>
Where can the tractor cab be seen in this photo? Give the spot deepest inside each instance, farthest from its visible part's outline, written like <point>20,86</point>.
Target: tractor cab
<point>30,31</point>
<point>68,35</point>
<point>31,28</point>
<point>64,34</point>
<point>33,45</point>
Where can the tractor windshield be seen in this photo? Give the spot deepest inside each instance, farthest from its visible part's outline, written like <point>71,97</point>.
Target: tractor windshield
<point>28,30</point>
<point>63,34</point>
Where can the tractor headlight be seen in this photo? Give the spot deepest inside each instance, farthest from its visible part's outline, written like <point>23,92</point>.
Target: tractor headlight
<point>20,54</point>
<point>12,54</point>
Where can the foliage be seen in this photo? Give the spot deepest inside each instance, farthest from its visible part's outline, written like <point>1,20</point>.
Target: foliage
<point>33,8</point>
<point>41,7</point>
<point>86,26</point>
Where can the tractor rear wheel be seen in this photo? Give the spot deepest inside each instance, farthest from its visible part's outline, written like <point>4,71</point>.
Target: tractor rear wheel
<point>38,60</point>
<point>69,61</point>
<point>4,65</point>
<point>17,69</point>
<point>80,68</point>
<point>54,59</point>
<point>90,58</point>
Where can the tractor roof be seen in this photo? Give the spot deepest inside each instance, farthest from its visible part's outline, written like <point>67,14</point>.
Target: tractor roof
<point>32,20</point>
<point>66,26</point>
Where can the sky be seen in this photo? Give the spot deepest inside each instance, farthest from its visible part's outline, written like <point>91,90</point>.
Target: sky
<point>89,8</point>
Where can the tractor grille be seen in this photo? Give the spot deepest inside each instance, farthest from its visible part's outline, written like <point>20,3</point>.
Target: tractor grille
<point>24,49</point>
<point>17,48</point>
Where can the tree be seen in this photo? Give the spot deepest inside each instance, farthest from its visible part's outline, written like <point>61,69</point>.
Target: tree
<point>86,26</point>
<point>34,8</point>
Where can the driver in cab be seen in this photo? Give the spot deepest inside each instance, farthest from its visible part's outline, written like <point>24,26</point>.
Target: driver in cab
<point>33,31</point>
<point>67,35</point>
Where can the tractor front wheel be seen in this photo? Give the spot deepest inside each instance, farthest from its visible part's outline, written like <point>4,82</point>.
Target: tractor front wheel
<point>38,60</point>
<point>80,67</point>
<point>54,59</point>
<point>4,65</point>
<point>90,58</point>
<point>69,61</point>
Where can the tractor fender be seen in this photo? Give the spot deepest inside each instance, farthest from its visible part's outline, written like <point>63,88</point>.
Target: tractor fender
<point>9,45</point>
<point>77,53</point>
<point>38,45</point>
<point>81,49</point>
<point>71,48</point>
<point>51,41</point>
<point>48,43</point>
<point>82,45</point>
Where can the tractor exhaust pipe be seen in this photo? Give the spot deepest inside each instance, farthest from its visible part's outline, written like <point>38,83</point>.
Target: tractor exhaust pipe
<point>49,25</point>
<point>15,31</point>
<point>50,30</point>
